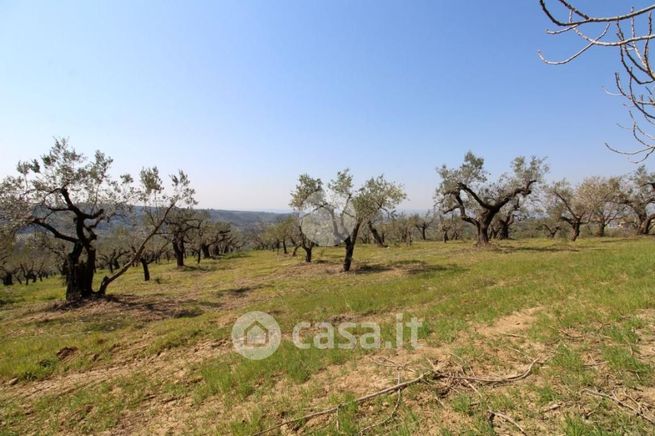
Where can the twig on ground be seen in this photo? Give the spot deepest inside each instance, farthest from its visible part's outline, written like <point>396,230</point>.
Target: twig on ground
<point>493,414</point>
<point>551,408</point>
<point>571,336</point>
<point>390,417</point>
<point>425,377</point>
<point>469,384</point>
<point>522,353</point>
<point>393,364</point>
<point>514,335</point>
<point>499,380</point>
<point>394,388</point>
<point>620,403</point>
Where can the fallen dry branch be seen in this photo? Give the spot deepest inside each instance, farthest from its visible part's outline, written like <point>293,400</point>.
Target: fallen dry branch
<point>500,380</point>
<point>394,388</point>
<point>493,414</point>
<point>620,403</point>
<point>428,376</point>
<point>391,415</point>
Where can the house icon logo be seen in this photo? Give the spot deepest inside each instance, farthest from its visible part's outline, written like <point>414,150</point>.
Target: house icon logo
<point>256,335</point>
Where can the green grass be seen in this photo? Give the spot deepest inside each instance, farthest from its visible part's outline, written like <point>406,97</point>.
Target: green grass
<point>159,357</point>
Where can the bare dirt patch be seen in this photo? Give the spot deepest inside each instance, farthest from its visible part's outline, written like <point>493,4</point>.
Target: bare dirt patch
<point>510,324</point>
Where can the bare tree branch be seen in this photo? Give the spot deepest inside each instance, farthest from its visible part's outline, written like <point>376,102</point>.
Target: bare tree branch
<point>632,36</point>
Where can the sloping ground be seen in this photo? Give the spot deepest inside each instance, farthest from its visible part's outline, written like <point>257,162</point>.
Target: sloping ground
<point>534,336</point>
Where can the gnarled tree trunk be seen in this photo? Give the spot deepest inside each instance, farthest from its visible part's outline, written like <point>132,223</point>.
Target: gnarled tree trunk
<point>178,250</point>
<point>483,234</point>
<point>146,270</point>
<point>645,222</point>
<point>601,229</point>
<point>350,248</point>
<point>576,230</point>
<point>79,274</point>
<point>205,251</point>
<point>8,279</point>
<point>379,239</point>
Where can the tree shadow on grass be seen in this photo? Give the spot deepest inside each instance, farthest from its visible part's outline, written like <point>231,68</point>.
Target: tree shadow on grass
<point>555,249</point>
<point>6,298</point>
<point>372,268</point>
<point>611,240</point>
<point>237,255</point>
<point>164,307</point>
<point>413,267</point>
<point>240,291</point>
<point>212,264</point>
<point>422,267</point>
<point>116,311</point>
<point>198,267</point>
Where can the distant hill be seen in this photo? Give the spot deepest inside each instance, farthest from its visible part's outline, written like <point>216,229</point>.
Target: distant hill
<point>242,220</point>
<point>245,219</point>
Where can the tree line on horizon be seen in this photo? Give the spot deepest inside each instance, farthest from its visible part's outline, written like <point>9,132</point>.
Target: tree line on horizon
<point>469,203</point>
<point>64,214</point>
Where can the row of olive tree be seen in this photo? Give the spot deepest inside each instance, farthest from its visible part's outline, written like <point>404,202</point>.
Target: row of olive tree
<point>71,197</point>
<point>23,260</point>
<point>625,202</point>
<point>467,195</point>
<point>65,213</point>
<point>492,206</point>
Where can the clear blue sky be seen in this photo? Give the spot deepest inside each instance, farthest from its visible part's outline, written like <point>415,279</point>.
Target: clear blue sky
<point>246,95</point>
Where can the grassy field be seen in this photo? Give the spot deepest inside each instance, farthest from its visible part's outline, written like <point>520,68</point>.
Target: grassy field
<point>157,357</point>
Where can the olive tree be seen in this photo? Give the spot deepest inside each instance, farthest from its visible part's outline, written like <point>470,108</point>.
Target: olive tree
<point>636,192</point>
<point>505,218</point>
<point>450,226</point>
<point>402,228</point>
<point>7,240</point>
<point>152,252</point>
<point>550,227</point>
<point>422,223</point>
<point>210,238</point>
<point>113,248</point>
<point>69,196</point>
<point>179,227</point>
<point>283,233</point>
<point>468,190</point>
<point>373,197</point>
<point>306,194</point>
<point>29,261</point>
<point>599,195</point>
<point>566,203</point>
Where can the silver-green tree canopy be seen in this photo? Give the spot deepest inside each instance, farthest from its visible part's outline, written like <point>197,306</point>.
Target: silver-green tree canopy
<point>179,227</point>
<point>307,194</point>
<point>374,196</point>
<point>70,196</point>
<point>334,213</point>
<point>600,194</point>
<point>637,193</point>
<point>468,190</point>
<point>567,204</point>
